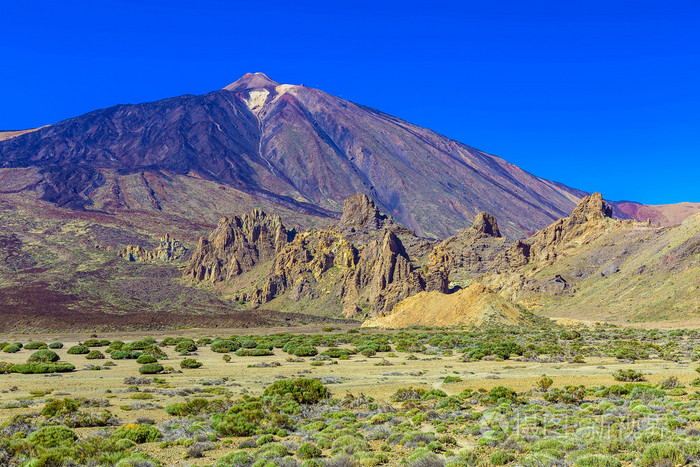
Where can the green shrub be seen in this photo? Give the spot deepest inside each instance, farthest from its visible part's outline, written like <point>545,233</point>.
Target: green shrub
<point>235,459</point>
<point>193,407</point>
<point>544,383</point>
<point>154,351</point>
<point>137,345</point>
<point>336,353</point>
<point>59,407</point>
<point>95,355</point>
<point>368,352</point>
<point>12,348</point>
<point>34,345</point>
<point>138,433</point>
<point>308,451</point>
<point>36,367</point>
<point>190,363</point>
<point>451,379</point>
<point>254,352</point>
<point>186,346</point>
<point>115,345</point>
<point>145,358</point>
<point>52,436</point>
<point>301,350</point>
<point>123,354</point>
<point>224,346</point>
<point>96,343</point>
<point>302,390</point>
<point>501,393</point>
<point>662,454</point>
<point>151,369</point>
<point>56,345</point>
<point>569,394</point>
<point>78,350</point>
<point>204,341</point>
<point>597,460</point>
<point>570,335</point>
<point>501,457</point>
<point>628,375</point>
<point>233,424</point>
<point>44,356</point>
<point>247,343</point>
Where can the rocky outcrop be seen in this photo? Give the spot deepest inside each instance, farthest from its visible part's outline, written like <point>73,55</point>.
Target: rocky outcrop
<point>360,212</point>
<point>361,265</point>
<point>237,245</point>
<point>590,217</point>
<point>471,252</point>
<point>485,225</point>
<point>300,265</point>
<point>383,277</point>
<point>169,249</point>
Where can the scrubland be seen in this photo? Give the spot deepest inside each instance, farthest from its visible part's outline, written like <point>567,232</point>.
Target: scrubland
<point>600,396</point>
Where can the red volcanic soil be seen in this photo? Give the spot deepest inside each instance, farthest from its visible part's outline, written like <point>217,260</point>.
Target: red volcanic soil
<point>664,214</point>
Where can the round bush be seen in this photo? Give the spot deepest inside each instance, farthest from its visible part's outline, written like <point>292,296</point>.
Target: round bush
<point>190,363</point>
<point>95,355</point>
<point>301,350</point>
<point>44,356</point>
<point>302,390</point>
<point>52,436</point>
<point>224,345</point>
<point>78,350</point>
<point>34,345</point>
<point>12,348</point>
<point>186,346</point>
<point>155,351</point>
<point>247,343</point>
<point>308,451</point>
<point>145,358</point>
<point>56,345</point>
<point>138,433</point>
<point>151,369</point>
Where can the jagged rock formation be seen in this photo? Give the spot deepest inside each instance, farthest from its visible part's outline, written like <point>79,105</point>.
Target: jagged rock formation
<point>300,266</point>
<point>383,277</point>
<point>169,249</point>
<point>471,252</point>
<point>359,267</point>
<point>360,212</point>
<point>485,226</point>
<point>591,215</point>
<point>237,245</point>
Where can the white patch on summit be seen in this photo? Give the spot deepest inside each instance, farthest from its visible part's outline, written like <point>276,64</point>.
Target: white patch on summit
<point>282,88</point>
<point>256,100</point>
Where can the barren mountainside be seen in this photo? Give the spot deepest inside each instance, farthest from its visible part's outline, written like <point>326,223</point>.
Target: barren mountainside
<point>285,145</point>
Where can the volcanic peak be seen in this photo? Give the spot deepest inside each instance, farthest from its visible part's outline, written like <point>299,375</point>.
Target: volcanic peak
<point>251,81</point>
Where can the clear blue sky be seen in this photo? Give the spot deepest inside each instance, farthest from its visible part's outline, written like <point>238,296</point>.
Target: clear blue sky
<point>602,96</point>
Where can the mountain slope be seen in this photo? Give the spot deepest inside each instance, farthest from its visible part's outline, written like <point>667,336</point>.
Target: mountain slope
<point>292,146</point>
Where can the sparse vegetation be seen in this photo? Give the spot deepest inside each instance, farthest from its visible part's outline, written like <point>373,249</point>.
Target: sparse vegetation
<point>314,419</point>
